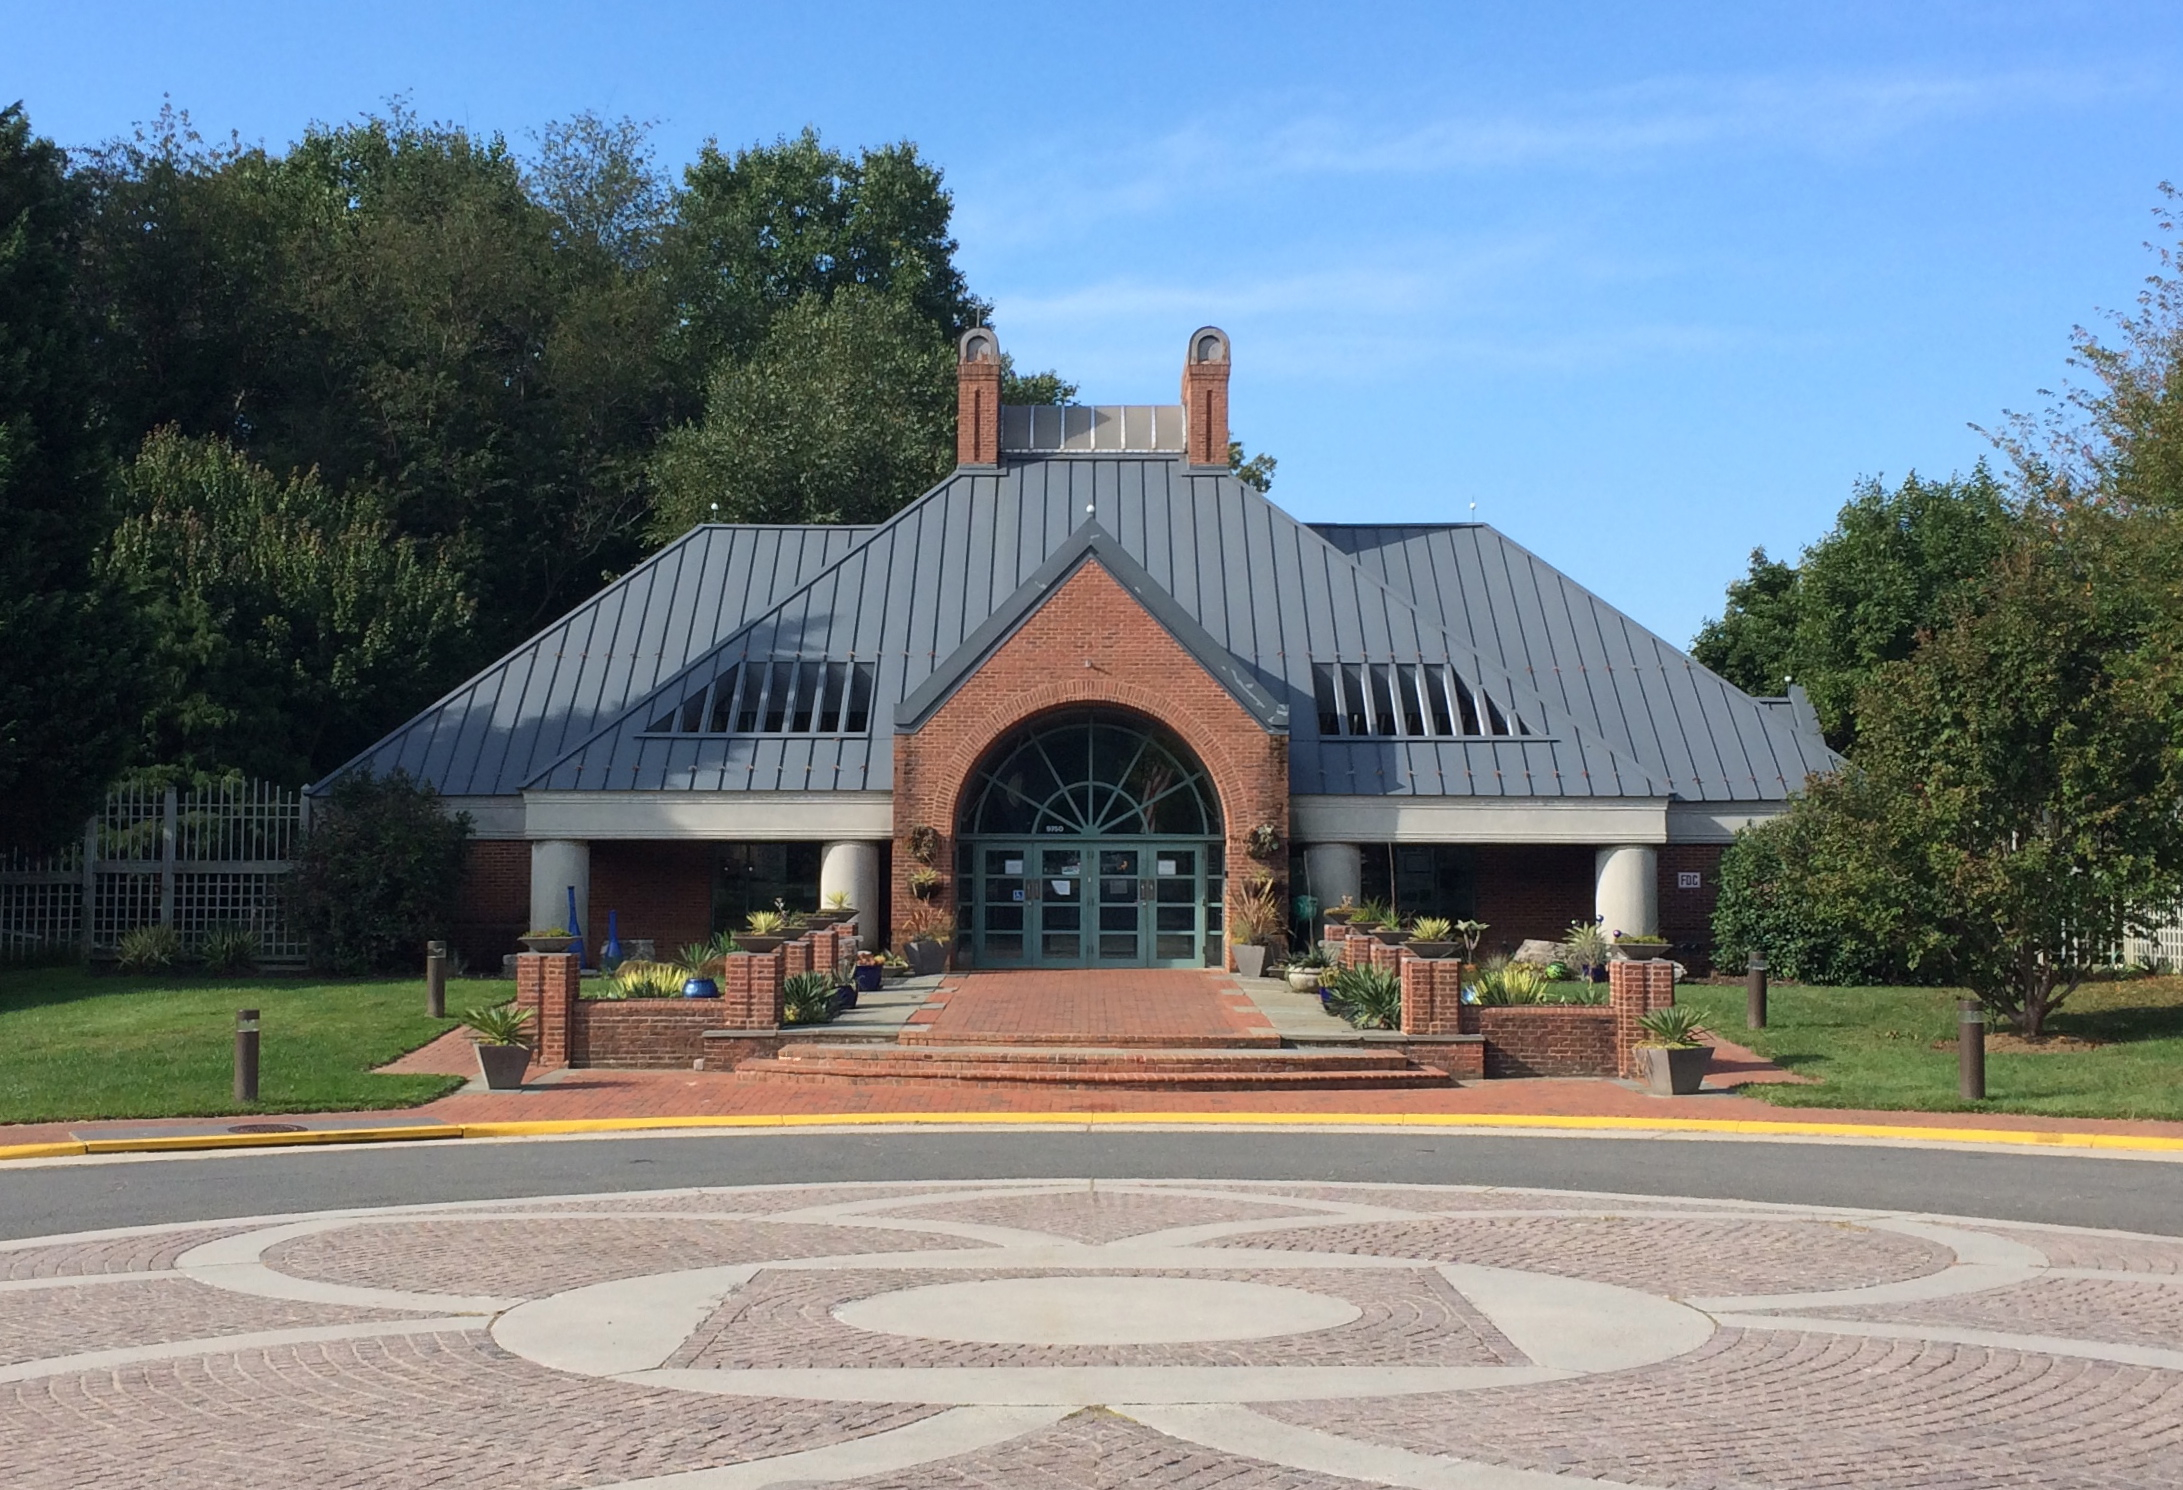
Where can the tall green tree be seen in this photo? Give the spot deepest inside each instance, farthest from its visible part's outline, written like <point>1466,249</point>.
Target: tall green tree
<point>1896,564</point>
<point>2016,800</point>
<point>68,646</point>
<point>760,230</point>
<point>844,412</point>
<point>288,622</point>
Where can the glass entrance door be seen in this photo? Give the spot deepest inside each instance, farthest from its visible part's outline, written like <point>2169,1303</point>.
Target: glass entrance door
<point>1094,904</point>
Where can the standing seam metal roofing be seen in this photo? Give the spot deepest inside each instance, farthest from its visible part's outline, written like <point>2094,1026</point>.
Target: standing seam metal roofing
<point>1273,592</point>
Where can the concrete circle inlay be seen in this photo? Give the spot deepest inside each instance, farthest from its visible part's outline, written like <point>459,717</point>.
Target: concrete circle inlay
<point>1097,1310</point>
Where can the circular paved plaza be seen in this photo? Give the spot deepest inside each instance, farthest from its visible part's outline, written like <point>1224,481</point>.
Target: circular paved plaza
<point>1071,1333</point>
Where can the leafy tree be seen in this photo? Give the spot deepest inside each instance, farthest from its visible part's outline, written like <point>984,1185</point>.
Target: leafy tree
<point>758,232</point>
<point>1254,471</point>
<point>377,875</point>
<point>845,411</point>
<point>1897,563</point>
<point>597,177</point>
<point>68,655</point>
<point>290,623</point>
<point>1023,389</point>
<point>2016,802</point>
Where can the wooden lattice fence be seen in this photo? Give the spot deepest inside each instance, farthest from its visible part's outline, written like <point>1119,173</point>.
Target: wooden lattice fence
<point>192,859</point>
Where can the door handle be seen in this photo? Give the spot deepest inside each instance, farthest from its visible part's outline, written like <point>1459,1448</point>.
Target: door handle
<point>1145,889</point>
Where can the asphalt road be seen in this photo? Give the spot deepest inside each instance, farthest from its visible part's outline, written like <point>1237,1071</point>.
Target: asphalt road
<point>2132,1195</point>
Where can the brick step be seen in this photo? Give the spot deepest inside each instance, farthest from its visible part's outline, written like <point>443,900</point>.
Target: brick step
<point>864,1073</point>
<point>1098,1066</point>
<point>926,1034</point>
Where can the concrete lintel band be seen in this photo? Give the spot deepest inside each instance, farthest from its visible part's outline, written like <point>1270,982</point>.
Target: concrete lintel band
<point>556,864</point>
<point>1626,889</point>
<point>851,867</point>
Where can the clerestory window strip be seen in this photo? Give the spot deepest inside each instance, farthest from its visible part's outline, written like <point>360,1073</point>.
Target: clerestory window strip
<point>1406,701</point>
<point>792,697</point>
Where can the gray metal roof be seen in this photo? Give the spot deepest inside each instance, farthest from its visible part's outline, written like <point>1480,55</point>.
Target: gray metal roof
<point>1611,710</point>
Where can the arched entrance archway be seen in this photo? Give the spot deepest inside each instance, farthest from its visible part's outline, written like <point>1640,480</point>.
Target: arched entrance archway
<point>1091,838</point>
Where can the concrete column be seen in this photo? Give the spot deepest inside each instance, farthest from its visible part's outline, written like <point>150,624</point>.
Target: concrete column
<point>1626,889</point>
<point>852,867</point>
<point>1334,870</point>
<point>556,864</point>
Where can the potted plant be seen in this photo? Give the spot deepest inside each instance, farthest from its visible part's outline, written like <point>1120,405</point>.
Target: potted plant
<point>927,934</point>
<point>1307,970</point>
<point>924,882</point>
<point>1256,926</point>
<point>836,910</point>
<point>1432,936</point>
<point>502,1055</point>
<point>555,940</point>
<point>871,972</point>
<point>1339,915</point>
<point>1675,1055</point>
<point>1588,948</point>
<point>1640,948</point>
<point>766,931</point>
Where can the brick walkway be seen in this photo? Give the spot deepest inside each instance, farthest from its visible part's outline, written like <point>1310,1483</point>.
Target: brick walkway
<point>1092,1006</point>
<point>1076,1335</point>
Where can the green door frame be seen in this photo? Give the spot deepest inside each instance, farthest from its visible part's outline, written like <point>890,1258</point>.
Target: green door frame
<point>1069,901</point>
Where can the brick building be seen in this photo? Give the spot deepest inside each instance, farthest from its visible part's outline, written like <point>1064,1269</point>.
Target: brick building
<point>1078,696</point>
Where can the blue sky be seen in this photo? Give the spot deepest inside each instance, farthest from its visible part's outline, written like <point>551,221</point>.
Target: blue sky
<point>1649,284</point>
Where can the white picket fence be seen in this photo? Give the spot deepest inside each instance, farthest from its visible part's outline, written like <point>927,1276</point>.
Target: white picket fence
<point>194,860</point>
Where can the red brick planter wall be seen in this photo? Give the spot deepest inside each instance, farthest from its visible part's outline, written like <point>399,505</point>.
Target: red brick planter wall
<point>1547,1039</point>
<point>644,1033</point>
<point>1090,643</point>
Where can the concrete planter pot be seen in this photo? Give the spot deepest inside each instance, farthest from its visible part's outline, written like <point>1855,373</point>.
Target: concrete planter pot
<point>503,1066</point>
<point>1250,960</point>
<point>1434,950</point>
<point>1675,1071</point>
<point>549,944</point>
<point>1388,936</point>
<point>1304,979</point>
<point>751,942</point>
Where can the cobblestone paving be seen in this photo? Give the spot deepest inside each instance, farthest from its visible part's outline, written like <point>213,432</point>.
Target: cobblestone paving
<point>458,1255</point>
<point>1100,1215</point>
<point>785,1319</point>
<point>1564,1335</point>
<point>1681,1258</point>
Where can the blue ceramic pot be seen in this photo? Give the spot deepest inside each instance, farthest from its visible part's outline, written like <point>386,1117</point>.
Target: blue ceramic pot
<point>845,997</point>
<point>700,988</point>
<point>868,977</point>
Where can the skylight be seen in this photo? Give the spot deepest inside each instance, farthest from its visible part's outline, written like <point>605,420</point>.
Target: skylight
<point>1405,700</point>
<point>776,698</point>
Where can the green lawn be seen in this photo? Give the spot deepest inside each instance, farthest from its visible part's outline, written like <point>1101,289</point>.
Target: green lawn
<point>77,1046</point>
<point>1873,1047</point>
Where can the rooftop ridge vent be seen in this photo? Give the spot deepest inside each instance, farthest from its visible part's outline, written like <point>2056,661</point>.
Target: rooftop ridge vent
<point>1091,428</point>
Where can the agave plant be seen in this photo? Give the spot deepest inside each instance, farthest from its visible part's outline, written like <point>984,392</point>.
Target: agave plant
<point>1432,928</point>
<point>808,998</point>
<point>149,949</point>
<point>1502,981</point>
<point>652,980</point>
<point>1372,913</point>
<point>1368,997</point>
<point>765,923</point>
<point>229,949</point>
<point>498,1024</point>
<point>1674,1027</point>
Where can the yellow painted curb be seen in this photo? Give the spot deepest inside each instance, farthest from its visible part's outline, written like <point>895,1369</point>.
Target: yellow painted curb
<point>554,1127</point>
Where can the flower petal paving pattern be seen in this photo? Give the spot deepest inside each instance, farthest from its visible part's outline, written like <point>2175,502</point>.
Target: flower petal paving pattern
<point>1071,1334</point>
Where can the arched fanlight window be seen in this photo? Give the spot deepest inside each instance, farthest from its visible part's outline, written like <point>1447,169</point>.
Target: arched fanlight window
<point>1091,773</point>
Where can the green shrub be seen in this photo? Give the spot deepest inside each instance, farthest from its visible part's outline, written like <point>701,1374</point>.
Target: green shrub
<point>1501,981</point>
<point>149,949</point>
<point>1780,895</point>
<point>229,950</point>
<point>1368,997</point>
<point>647,980</point>
<point>808,998</point>
<point>377,875</point>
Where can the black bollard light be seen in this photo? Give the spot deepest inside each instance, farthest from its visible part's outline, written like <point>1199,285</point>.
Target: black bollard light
<point>435,979</point>
<point>1971,1051</point>
<point>1754,992</point>
<point>246,1055</point>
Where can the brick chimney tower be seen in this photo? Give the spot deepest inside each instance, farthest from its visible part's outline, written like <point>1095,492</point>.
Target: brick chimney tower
<point>978,400</point>
<point>1205,399</point>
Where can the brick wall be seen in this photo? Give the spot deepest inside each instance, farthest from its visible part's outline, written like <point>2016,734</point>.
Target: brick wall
<point>493,907</point>
<point>1532,890</point>
<point>1636,988</point>
<point>1432,996</point>
<point>1686,916</point>
<point>1090,643</point>
<point>545,984</point>
<point>660,890</point>
<point>1547,1040</point>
